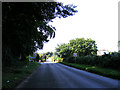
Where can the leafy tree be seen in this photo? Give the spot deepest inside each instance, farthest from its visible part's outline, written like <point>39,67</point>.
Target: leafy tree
<point>83,47</point>
<point>49,54</point>
<point>63,50</point>
<point>80,46</point>
<point>26,26</point>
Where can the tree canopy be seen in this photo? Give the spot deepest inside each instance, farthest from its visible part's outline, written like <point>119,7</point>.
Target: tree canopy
<point>26,26</point>
<point>80,46</point>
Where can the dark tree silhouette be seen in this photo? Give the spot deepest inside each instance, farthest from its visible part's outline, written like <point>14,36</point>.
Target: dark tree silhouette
<point>25,27</point>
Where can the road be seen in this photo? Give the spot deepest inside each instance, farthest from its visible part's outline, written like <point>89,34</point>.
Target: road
<point>55,75</point>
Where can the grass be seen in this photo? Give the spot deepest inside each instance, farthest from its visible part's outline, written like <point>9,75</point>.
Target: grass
<point>12,76</point>
<point>114,74</point>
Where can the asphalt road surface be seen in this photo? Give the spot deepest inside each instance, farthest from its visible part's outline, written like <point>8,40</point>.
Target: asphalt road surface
<point>55,75</point>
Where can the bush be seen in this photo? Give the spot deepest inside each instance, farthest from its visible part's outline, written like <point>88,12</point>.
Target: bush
<point>90,60</point>
<point>60,59</point>
<point>69,59</point>
<point>107,61</point>
<point>115,62</point>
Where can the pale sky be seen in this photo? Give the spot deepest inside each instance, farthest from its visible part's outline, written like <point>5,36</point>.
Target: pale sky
<point>96,19</point>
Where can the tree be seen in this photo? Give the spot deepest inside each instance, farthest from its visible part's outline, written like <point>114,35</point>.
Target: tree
<point>83,47</point>
<point>63,50</point>
<point>49,54</point>
<point>37,57</point>
<point>80,46</point>
<point>26,26</point>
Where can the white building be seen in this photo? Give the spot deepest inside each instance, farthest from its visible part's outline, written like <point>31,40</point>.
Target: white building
<point>101,52</point>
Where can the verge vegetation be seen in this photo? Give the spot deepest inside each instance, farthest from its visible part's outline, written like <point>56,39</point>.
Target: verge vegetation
<point>87,58</point>
<point>12,76</point>
<point>114,74</point>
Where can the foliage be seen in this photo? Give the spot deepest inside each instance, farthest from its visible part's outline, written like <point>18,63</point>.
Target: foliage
<point>95,69</point>
<point>63,50</point>
<point>69,59</point>
<point>43,60</point>
<point>55,57</point>
<point>37,57</point>
<point>26,27</point>
<point>80,46</point>
<point>49,54</point>
<point>12,76</point>
<point>43,57</point>
<point>87,54</point>
<point>106,61</point>
<point>87,50</point>
<point>60,59</point>
<point>83,47</point>
<point>88,60</point>
<point>52,58</point>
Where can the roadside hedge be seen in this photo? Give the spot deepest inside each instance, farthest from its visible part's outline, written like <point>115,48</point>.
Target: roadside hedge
<point>107,61</point>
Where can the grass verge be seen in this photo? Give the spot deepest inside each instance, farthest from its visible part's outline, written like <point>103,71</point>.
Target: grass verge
<point>114,74</point>
<point>12,76</point>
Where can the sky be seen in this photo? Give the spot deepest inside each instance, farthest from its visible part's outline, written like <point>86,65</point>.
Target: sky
<point>96,19</point>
